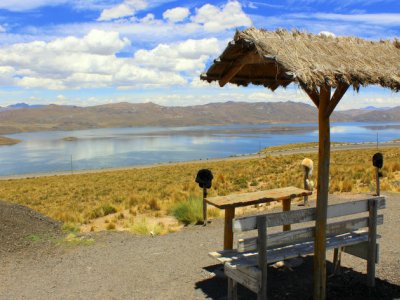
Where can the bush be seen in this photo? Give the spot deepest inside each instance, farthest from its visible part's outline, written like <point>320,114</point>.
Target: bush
<point>189,212</point>
<point>102,211</point>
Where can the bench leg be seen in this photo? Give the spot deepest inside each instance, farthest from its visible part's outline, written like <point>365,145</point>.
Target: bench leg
<point>232,289</point>
<point>337,257</point>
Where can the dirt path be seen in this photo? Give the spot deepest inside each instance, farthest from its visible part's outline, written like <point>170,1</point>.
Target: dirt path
<point>176,266</point>
<point>335,147</point>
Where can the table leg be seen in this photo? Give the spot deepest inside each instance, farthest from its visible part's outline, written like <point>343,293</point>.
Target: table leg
<point>228,232</point>
<point>286,207</point>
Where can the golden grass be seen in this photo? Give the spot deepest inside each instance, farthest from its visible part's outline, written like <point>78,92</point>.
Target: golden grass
<point>294,146</point>
<point>81,198</point>
<point>8,141</point>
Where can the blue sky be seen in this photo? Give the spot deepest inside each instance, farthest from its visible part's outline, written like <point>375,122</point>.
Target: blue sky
<point>89,52</point>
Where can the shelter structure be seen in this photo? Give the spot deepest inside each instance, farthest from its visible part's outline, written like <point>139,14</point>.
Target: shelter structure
<point>324,67</point>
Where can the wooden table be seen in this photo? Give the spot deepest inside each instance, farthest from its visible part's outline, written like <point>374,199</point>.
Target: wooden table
<point>230,202</point>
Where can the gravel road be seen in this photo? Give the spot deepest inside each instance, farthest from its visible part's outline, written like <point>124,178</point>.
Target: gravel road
<point>175,266</point>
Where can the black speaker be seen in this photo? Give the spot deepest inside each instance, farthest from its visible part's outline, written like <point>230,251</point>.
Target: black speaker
<point>204,178</point>
<point>377,160</point>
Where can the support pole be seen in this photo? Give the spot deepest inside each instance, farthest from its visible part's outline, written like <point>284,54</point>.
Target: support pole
<point>378,186</point>
<point>322,194</point>
<point>204,206</point>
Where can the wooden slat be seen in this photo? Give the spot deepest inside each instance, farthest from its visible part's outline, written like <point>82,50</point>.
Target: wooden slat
<point>245,199</point>
<point>306,215</point>
<point>373,212</point>
<point>361,251</point>
<point>296,236</point>
<point>248,281</point>
<point>248,259</point>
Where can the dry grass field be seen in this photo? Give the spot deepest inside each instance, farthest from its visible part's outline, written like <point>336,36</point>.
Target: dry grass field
<point>135,199</point>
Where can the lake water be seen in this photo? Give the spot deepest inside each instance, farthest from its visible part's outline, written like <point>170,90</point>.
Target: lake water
<point>117,147</point>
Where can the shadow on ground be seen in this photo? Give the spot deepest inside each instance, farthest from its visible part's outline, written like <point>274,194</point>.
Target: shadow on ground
<point>284,283</point>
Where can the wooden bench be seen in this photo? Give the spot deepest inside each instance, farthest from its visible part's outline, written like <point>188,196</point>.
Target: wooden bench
<point>247,265</point>
<point>230,202</point>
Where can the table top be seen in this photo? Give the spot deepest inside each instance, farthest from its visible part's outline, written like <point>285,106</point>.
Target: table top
<point>244,199</point>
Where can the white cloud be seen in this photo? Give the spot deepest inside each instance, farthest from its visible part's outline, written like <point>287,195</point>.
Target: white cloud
<point>124,9</point>
<point>2,29</point>
<point>376,19</point>
<point>176,14</point>
<point>216,19</point>
<point>327,33</point>
<point>186,56</point>
<point>23,5</point>
<point>71,63</point>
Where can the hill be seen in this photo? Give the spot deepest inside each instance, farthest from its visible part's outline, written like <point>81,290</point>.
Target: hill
<point>57,117</point>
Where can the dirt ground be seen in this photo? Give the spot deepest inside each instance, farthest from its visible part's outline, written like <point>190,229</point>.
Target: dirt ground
<point>37,262</point>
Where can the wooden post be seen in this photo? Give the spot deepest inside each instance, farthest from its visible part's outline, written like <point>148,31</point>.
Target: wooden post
<point>337,257</point>
<point>204,206</point>
<point>306,187</point>
<point>378,186</point>
<point>262,256</point>
<point>228,230</point>
<point>373,213</point>
<point>322,194</point>
<point>286,207</point>
<point>232,289</point>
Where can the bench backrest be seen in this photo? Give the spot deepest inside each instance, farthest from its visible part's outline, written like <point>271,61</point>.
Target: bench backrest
<point>305,215</point>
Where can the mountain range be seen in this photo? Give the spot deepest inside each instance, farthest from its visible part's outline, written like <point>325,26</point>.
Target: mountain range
<point>23,117</point>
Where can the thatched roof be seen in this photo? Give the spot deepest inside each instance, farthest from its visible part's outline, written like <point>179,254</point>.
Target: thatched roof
<point>278,58</point>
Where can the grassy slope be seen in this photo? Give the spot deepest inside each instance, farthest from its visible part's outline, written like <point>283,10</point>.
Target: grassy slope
<point>78,198</point>
<point>8,141</point>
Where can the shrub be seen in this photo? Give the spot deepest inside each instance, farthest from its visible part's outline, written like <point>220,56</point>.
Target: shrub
<point>143,227</point>
<point>102,211</point>
<point>189,212</point>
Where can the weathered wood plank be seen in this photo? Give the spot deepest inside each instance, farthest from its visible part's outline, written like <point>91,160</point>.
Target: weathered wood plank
<point>232,289</point>
<point>262,256</point>
<point>306,215</point>
<point>250,259</point>
<point>361,251</point>
<point>282,239</point>
<point>373,212</point>
<point>244,279</point>
<point>245,199</point>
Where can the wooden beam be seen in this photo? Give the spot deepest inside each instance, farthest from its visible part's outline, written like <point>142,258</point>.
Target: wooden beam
<point>337,96</point>
<point>228,230</point>
<point>230,74</point>
<point>322,194</point>
<point>248,58</point>
<point>312,93</point>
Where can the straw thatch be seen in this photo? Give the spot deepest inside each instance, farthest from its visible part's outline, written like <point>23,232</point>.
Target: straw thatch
<point>278,58</point>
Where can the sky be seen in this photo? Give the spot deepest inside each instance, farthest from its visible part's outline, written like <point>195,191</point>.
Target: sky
<point>91,52</point>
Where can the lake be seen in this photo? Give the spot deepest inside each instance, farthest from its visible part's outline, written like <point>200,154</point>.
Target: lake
<point>117,147</point>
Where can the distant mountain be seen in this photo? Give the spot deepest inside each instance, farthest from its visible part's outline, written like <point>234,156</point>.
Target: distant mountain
<point>386,115</point>
<point>57,117</point>
<point>20,106</point>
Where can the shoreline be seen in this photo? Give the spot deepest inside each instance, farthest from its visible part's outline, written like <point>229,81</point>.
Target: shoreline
<point>334,147</point>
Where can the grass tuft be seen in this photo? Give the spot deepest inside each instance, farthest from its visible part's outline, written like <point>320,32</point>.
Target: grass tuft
<point>189,212</point>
